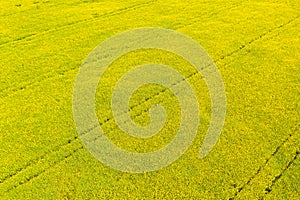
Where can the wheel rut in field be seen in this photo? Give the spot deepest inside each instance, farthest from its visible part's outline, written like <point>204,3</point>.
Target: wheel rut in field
<point>266,162</point>
<point>55,149</point>
<point>36,80</point>
<point>71,24</point>
<point>276,178</point>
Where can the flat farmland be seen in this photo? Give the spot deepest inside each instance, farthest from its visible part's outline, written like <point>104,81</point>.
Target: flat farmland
<point>255,45</point>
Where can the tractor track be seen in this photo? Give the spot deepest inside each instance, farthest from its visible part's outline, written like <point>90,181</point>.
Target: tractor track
<point>109,14</point>
<point>43,169</point>
<point>8,91</point>
<point>70,141</point>
<point>20,170</point>
<point>44,3</point>
<point>197,20</point>
<point>218,60</point>
<point>268,189</point>
<point>283,170</point>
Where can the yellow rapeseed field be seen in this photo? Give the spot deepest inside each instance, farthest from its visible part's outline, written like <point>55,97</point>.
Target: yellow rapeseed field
<point>254,43</point>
